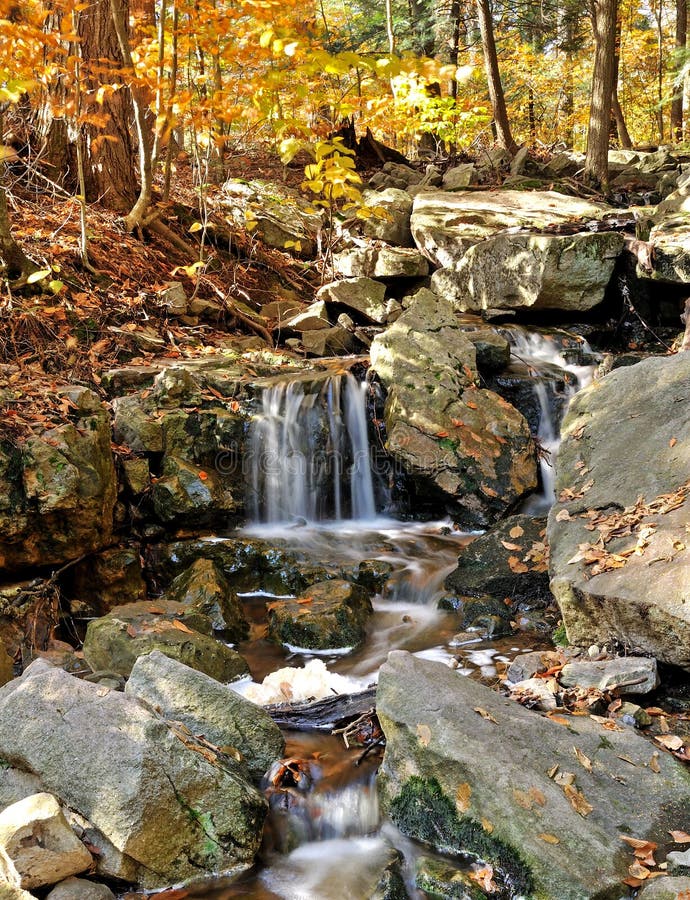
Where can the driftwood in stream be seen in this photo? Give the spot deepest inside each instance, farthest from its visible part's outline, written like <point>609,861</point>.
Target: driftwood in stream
<point>328,713</point>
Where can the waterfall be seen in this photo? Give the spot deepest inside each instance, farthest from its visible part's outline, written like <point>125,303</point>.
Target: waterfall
<point>309,452</point>
<point>555,381</point>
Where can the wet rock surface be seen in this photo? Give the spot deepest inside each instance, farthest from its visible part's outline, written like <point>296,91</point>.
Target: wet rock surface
<point>328,615</point>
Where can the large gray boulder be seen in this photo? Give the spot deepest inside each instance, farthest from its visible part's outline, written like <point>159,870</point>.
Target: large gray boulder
<point>620,563</point>
<point>58,487</point>
<point>390,218</point>
<point>465,446</point>
<point>207,708</point>
<point>508,271</point>
<point>445,225</point>
<point>466,769</point>
<point>150,789</point>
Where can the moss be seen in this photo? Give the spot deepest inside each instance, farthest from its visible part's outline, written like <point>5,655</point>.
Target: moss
<point>422,811</point>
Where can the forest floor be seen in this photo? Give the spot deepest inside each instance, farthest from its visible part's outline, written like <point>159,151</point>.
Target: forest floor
<point>95,322</point>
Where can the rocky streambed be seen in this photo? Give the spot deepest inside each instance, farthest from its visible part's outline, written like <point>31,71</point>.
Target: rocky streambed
<point>513,688</point>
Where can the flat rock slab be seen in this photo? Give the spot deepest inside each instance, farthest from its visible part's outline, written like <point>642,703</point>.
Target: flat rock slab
<point>444,225</point>
<point>155,796</point>
<point>331,615</point>
<point>622,478</point>
<point>207,708</point>
<point>626,674</point>
<point>381,262</point>
<point>467,769</point>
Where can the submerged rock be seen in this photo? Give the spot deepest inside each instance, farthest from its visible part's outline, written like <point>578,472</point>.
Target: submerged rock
<point>114,642</point>
<point>467,770</point>
<point>117,763</point>
<point>620,557</point>
<point>207,708</point>
<point>330,615</point>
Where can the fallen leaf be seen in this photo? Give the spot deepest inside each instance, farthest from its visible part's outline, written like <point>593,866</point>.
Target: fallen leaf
<point>673,442</point>
<point>131,631</point>
<point>485,715</point>
<point>462,797</point>
<point>637,870</point>
<point>441,434</point>
<point>563,516</point>
<point>510,546</point>
<point>484,877</point>
<point>471,404</point>
<point>549,838</point>
<point>654,763</point>
<point>487,826</point>
<point>632,882</point>
<point>303,600</point>
<point>584,761</point>
<point>181,626</point>
<point>522,798</point>
<point>516,566</point>
<point>680,837</point>
<point>577,800</point>
<point>538,796</point>
<point>203,475</point>
<point>516,531</point>
<point>670,741</point>
<point>424,735</point>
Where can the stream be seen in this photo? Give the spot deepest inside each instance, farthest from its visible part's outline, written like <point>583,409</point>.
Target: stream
<point>313,490</point>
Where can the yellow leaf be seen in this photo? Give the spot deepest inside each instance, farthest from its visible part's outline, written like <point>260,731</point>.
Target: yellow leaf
<point>584,761</point>
<point>424,735</point>
<point>462,797</point>
<point>549,838</point>
<point>38,276</point>
<point>195,226</point>
<point>516,532</point>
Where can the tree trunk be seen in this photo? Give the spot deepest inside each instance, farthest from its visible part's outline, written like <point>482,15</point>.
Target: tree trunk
<point>110,171</point>
<point>681,40</point>
<point>619,118</point>
<point>604,27</point>
<point>493,76</point>
<point>16,263</point>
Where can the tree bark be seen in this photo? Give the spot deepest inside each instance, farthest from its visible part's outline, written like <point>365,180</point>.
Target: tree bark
<point>604,27</point>
<point>17,264</point>
<point>619,118</point>
<point>110,171</point>
<point>681,41</point>
<point>493,76</point>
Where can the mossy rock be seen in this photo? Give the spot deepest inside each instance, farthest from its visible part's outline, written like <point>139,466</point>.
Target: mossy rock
<point>115,641</point>
<point>203,588</point>
<point>327,616</point>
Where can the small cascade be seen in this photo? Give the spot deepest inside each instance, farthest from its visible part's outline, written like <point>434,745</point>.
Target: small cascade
<point>555,379</point>
<point>309,453</point>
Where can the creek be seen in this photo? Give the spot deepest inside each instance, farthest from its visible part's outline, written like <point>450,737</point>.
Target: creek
<point>313,489</point>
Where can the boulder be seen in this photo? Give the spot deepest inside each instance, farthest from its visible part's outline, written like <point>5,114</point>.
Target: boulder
<point>619,544</point>
<point>564,165</point>
<point>10,892</point>
<point>624,674</point>
<point>58,487</point>
<point>527,665</point>
<point>509,562</point>
<point>390,219</point>
<point>37,846</point>
<point>381,262</point>
<point>312,318</point>
<point>468,770</point>
<point>204,589</point>
<point>328,341</point>
<point>666,888</point>
<point>465,447</point>
<point>151,790</point>
<point>278,215</point>
<point>363,296</point>
<point>15,785</point>
<point>188,493</point>
<point>445,225</point>
<point>331,615</point>
<point>508,271</point>
<point>460,177</point>
<point>669,253</point>
<point>80,889</point>
<point>491,347</point>
<point>114,642</point>
<point>207,708</point>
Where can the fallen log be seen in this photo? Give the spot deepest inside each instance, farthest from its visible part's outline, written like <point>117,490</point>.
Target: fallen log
<point>326,714</point>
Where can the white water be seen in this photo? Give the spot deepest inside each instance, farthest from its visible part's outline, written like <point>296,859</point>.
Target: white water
<point>309,453</point>
<point>543,357</point>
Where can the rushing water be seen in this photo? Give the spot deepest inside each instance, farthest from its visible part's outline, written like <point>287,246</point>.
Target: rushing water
<point>555,381</point>
<point>312,490</point>
<point>309,452</point>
